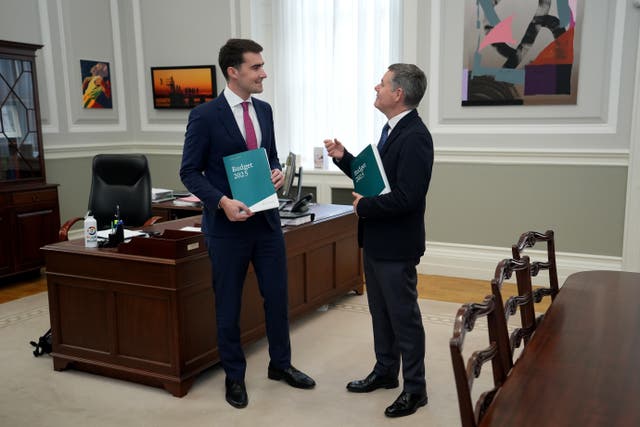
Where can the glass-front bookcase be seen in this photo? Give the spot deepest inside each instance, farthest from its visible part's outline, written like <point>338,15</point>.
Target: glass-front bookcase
<point>29,211</point>
<point>20,136</point>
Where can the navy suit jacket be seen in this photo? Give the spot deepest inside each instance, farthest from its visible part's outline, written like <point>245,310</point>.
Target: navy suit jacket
<point>391,226</point>
<point>212,133</point>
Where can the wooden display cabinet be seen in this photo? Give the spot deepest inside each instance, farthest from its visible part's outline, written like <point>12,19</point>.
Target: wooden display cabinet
<point>29,211</point>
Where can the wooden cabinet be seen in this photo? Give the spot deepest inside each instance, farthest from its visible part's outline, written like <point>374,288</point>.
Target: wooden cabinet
<point>29,212</point>
<point>5,263</point>
<point>30,218</point>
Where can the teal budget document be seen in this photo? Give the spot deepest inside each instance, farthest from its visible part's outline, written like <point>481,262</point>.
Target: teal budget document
<point>249,176</point>
<point>367,172</point>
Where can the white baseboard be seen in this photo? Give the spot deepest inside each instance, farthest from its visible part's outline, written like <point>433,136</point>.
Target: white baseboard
<point>479,262</point>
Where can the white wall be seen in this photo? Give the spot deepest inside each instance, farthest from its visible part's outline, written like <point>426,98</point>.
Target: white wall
<point>592,139</point>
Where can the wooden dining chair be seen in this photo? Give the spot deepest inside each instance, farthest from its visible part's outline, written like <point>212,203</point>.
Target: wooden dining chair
<point>528,240</point>
<point>497,352</point>
<point>522,301</point>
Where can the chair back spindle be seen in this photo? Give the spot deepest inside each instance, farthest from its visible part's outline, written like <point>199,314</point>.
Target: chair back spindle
<point>523,300</point>
<point>529,240</point>
<point>497,352</point>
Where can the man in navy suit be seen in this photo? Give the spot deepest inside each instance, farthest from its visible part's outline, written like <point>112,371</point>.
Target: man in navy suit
<point>235,236</point>
<point>391,232</point>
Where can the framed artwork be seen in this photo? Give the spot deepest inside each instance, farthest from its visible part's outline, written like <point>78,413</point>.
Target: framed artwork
<point>183,87</point>
<point>520,52</point>
<point>96,84</point>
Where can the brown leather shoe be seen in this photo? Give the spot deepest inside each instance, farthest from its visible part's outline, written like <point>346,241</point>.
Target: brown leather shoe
<point>236,393</point>
<point>372,382</point>
<point>406,404</point>
<point>292,376</point>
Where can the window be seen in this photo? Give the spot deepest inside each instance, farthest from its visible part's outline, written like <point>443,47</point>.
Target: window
<point>325,57</point>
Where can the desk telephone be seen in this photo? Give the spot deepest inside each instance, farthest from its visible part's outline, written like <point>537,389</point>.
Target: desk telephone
<point>299,206</point>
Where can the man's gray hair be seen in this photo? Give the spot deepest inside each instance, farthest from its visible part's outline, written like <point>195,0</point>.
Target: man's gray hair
<point>412,81</point>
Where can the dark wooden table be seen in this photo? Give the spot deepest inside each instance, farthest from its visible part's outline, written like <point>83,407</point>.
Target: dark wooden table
<point>580,368</point>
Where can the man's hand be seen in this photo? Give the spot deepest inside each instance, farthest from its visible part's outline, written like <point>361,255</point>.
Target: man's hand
<point>356,200</point>
<point>235,210</point>
<point>277,177</point>
<point>334,148</point>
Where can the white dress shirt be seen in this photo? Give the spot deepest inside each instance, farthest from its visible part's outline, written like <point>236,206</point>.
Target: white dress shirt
<point>235,102</point>
<point>393,121</point>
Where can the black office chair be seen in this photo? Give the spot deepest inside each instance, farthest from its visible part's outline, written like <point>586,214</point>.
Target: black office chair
<point>118,180</point>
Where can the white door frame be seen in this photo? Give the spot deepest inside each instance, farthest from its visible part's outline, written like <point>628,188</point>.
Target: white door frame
<point>631,238</point>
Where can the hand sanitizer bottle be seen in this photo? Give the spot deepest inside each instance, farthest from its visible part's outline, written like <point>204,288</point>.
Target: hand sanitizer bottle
<point>90,231</point>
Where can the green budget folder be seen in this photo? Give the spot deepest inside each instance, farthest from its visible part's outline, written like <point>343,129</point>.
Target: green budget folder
<point>249,176</point>
<point>367,172</point>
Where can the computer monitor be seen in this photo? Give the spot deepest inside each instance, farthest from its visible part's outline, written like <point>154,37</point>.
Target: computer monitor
<point>289,174</point>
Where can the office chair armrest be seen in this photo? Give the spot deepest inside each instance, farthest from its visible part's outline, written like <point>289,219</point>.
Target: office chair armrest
<point>63,234</point>
<point>152,220</point>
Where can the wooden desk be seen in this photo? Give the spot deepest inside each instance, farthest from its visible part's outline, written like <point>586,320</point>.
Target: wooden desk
<point>580,367</point>
<point>152,320</point>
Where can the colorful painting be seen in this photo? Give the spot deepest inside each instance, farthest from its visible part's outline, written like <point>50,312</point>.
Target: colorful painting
<point>520,52</point>
<point>183,87</point>
<point>96,84</point>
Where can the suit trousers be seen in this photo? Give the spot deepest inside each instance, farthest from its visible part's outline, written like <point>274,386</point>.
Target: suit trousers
<point>398,333</point>
<point>230,258</point>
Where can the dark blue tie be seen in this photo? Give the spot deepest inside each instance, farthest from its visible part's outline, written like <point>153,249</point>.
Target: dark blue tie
<point>383,136</point>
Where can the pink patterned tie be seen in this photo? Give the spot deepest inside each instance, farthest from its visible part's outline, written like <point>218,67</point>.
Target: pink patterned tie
<point>250,133</point>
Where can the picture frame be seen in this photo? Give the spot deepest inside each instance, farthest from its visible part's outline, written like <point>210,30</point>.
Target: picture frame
<point>183,86</point>
<point>509,61</point>
<point>96,84</point>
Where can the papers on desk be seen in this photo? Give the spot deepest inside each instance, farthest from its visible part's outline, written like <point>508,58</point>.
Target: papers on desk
<point>195,229</point>
<point>295,218</point>
<point>191,200</point>
<point>104,234</point>
<point>161,194</point>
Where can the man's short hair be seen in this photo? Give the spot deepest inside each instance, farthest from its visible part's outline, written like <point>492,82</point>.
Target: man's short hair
<point>232,53</point>
<point>412,81</point>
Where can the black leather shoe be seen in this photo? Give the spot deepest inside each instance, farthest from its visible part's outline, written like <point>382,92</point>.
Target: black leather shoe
<point>406,404</point>
<point>372,382</point>
<point>292,376</point>
<point>236,393</point>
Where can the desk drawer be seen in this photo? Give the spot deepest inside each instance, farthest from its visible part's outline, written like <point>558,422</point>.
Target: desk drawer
<point>28,197</point>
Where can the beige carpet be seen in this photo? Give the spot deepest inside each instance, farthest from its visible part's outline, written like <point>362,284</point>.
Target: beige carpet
<point>333,346</point>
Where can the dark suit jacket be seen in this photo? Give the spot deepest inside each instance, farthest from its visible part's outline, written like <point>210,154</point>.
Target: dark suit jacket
<point>391,226</point>
<point>212,133</point>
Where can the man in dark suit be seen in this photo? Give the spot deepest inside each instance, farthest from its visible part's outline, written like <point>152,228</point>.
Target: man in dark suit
<point>235,236</point>
<point>391,232</point>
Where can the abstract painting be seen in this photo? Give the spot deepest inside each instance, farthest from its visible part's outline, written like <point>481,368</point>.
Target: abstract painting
<point>96,84</point>
<point>520,52</point>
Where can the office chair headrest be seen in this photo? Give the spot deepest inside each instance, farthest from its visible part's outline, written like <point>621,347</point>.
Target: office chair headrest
<point>120,169</point>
